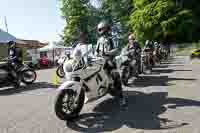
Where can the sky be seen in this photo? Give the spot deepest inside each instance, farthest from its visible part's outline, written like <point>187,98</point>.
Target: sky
<point>32,19</point>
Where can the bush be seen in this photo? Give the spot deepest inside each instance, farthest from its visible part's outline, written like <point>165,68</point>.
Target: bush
<point>196,45</point>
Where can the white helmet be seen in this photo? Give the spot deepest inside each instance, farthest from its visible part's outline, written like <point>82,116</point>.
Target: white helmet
<point>103,27</point>
<point>147,42</point>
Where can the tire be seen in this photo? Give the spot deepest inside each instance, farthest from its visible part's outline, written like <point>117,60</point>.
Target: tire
<point>142,67</point>
<point>59,108</point>
<point>23,79</point>
<point>125,75</point>
<point>145,66</point>
<point>116,91</point>
<point>60,72</point>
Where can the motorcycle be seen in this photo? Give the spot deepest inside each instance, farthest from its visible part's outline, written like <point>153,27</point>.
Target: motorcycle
<point>129,67</point>
<point>24,73</point>
<point>146,60</point>
<point>60,71</point>
<point>91,80</point>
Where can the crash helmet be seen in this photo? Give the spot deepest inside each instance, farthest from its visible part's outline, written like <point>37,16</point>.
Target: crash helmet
<point>12,44</point>
<point>131,37</point>
<point>103,27</point>
<point>156,44</point>
<point>147,42</point>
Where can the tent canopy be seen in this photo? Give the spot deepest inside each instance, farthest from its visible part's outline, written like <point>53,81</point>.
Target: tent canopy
<point>50,47</point>
<point>6,37</point>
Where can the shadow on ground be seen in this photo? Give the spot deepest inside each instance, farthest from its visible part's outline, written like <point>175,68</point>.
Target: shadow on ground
<point>145,81</point>
<point>142,113</point>
<point>159,71</point>
<point>34,86</point>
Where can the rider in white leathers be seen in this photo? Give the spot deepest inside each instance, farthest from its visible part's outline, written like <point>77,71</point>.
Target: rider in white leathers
<point>104,47</point>
<point>80,49</point>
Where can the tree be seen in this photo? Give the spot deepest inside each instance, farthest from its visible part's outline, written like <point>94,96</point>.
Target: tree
<point>118,11</point>
<point>76,15</point>
<point>161,20</point>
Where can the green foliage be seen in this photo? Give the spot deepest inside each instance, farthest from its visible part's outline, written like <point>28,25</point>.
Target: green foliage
<point>76,15</point>
<point>161,20</point>
<point>196,45</point>
<point>118,11</point>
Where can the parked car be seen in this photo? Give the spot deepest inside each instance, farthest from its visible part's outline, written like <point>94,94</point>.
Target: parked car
<point>44,61</point>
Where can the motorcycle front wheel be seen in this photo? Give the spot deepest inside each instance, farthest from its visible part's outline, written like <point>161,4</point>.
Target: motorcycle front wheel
<point>125,75</point>
<point>65,106</point>
<point>117,84</point>
<point>28,76</point>
<point>60,72</point>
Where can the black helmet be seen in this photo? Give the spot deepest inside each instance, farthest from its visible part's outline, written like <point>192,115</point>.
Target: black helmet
<point>103,27</point>
<point>11,43</point>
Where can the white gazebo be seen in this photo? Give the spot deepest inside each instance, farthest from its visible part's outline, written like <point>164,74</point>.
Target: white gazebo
<point>53,48</point>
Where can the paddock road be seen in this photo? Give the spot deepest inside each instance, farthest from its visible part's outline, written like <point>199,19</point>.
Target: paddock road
<point>167,101</point>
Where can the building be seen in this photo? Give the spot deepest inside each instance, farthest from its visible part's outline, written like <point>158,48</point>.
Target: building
<point>30,44</point>
<point>27,45</point>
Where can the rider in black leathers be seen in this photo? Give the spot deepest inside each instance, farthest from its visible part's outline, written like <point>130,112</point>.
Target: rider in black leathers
<point>150,47</point>
<point>136,54</point>
<point>105,46</point>
<point>14,60</point>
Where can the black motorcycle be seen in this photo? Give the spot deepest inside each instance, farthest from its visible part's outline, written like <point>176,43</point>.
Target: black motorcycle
<point>147,62</point>
<point>16,74</point>
<point>128,66</point>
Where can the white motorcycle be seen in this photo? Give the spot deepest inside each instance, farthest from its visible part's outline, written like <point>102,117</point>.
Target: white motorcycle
<point>91,80</point>
<point>60,71</point>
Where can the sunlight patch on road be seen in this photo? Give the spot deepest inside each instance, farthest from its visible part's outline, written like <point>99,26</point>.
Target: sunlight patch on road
<point>56,80</point>
<point>171,83</point>
<point>195,61</point>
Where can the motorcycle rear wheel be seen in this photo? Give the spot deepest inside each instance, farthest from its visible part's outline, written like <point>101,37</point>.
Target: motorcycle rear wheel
<point>60,105</point>
<point>125,75</point>
<point>117,85</point>
<point>23,76</point>
<point>60,72</point>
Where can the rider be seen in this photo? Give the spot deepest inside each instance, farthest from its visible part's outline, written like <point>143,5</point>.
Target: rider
<point>15,56</point>
<point>133,44</point>
<point>81,47</point>
<point>150,46</point>
<point>157,51</point>
<point>105,46</point>
<point>79,50</point>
